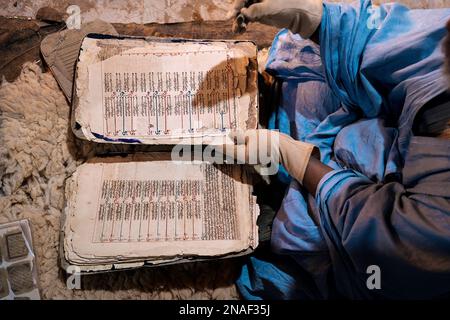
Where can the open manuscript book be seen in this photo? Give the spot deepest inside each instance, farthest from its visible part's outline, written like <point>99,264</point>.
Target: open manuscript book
<point>144,209</point>
<point>125,212</point>
<point>162,91</point>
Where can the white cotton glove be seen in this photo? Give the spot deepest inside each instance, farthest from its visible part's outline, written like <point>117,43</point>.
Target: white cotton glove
<point>269,148</point>
<point>299,16</point>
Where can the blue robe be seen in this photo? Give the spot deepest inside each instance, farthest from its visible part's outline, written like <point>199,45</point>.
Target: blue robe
<point>387,202</point>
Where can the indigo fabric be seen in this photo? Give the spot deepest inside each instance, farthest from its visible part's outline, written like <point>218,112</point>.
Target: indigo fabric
<point>387,202</point>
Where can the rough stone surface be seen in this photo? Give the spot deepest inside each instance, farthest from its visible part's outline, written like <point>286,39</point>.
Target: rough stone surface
<point>148,11</point>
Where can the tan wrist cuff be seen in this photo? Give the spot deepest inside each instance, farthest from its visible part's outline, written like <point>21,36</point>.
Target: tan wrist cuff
<point>309,21</point>
<point>294,156</point>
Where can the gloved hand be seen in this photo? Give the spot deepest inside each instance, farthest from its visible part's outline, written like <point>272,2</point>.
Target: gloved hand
<point>272,148</point>
<point>299,16</point>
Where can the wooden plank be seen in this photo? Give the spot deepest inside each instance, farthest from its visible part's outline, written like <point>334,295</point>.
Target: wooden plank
<point>261,34</point>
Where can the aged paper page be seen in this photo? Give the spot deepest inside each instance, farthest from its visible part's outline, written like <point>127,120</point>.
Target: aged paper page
<point>142,210</point>
<point>141,91</point>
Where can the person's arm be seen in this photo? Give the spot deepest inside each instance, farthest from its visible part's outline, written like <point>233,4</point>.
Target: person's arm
<point>299,16</point>
<point>316,36</point>
<point>314,173</point>
<point>300,159</point>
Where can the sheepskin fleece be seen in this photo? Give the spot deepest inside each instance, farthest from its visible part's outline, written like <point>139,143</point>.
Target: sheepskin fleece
<point>37,153</point>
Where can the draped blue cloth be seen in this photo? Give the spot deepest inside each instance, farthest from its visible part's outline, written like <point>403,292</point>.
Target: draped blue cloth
<point>387,202</point>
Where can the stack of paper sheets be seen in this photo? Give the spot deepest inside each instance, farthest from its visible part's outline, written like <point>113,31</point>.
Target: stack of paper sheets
<point>128,210</point>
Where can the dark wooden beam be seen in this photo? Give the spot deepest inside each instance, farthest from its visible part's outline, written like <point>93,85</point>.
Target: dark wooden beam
<point>261,34</point>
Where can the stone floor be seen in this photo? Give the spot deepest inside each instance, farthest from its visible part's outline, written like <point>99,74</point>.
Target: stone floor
<point>159,11</point>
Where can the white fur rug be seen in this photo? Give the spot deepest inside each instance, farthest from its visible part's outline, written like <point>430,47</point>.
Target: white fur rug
<point>37,153</point>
